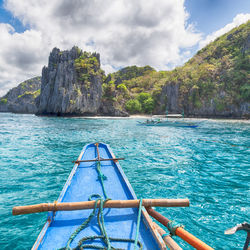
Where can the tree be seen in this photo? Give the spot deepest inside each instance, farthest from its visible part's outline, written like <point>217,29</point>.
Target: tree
<point>133,106</point>
<point>148,105</point>
<point>146,101</point>
<point>142,97</point>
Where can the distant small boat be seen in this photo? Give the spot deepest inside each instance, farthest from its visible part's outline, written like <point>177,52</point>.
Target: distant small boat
<point>168,116</point>
<point>164,121</point>
<point>168,123</point>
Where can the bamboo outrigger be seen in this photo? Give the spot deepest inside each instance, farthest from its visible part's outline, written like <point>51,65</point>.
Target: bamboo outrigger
<point>71,206</point>
<point>179,231</point>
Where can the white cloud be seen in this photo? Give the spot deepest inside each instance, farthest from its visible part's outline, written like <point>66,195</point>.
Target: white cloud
<point>20,56</point>
<point>238,20</point>
<point>124,32</point>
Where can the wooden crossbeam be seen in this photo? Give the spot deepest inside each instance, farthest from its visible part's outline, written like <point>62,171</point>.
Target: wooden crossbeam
<point>109,159</point>
<point>99,158</point>
<point>68,206</point>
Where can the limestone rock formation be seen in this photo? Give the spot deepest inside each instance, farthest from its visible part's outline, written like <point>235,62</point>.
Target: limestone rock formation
<point>71,84</point>
<point>172,99</point>
<point>215,82</point>
<point>23,98</point>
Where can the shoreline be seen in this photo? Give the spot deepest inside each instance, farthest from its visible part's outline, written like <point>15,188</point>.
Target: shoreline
<point>144,116</point>
<point>149,117</point>
<point>132,117</point>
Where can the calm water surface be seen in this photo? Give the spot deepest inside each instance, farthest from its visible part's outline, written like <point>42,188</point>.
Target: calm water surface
<point>209,165</point>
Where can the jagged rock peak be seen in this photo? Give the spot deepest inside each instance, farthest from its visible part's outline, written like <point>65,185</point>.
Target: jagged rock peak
<point>57,55</point>
<point>71,84</point>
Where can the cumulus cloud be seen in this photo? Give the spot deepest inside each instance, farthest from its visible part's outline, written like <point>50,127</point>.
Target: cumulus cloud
<point>20,56</point>
<point>124,32</point>
<point>238,20</point>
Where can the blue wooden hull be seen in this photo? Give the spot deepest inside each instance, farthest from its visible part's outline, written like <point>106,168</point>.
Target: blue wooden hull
<point>120,223</point>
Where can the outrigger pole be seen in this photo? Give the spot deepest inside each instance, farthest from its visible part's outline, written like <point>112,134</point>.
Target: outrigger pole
<point>69,206</point>
<point>179,231</point>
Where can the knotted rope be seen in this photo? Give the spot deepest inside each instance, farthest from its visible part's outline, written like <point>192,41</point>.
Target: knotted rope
<point>172,226</point>
<point>101,178</point>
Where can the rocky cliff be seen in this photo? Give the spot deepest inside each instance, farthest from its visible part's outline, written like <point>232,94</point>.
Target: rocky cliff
<point>23,98</point>
<point>71,84</point>
<point>214,83</point>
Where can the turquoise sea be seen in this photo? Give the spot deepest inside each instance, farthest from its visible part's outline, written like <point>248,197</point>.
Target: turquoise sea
<point>209,165</point>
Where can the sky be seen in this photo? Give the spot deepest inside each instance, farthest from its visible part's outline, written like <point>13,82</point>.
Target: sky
<point>163,33</point>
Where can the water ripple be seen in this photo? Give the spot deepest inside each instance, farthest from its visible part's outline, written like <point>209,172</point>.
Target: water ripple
<point>209,165</point>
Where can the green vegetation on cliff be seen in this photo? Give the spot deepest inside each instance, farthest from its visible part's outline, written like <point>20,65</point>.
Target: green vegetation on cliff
<point>218,72</point>
<point>129,73</point>
<point>217,75</point>
<point>127,87</point>
<point>4,100</point>
<point>22,99</point>
<point>33,94</point>
<point>87,65</point>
